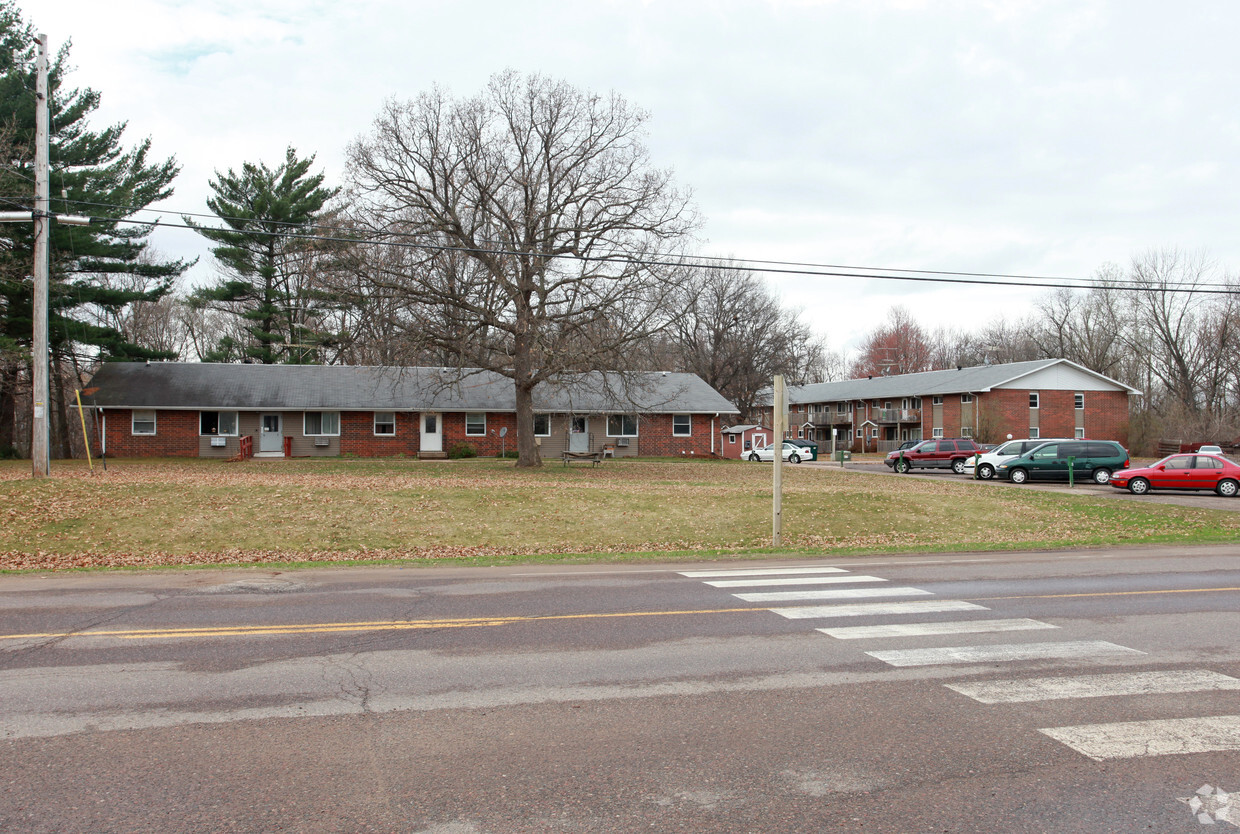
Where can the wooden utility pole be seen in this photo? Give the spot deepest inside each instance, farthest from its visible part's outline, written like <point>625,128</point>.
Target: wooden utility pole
<point>40,451</point>
<point>40,436</point>
<point>779,411</point>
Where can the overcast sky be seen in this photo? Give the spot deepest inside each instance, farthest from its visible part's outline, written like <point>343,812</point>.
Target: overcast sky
<point>1032,138</point>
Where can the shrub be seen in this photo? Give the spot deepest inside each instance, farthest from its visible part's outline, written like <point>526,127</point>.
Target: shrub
<point>462,450</point>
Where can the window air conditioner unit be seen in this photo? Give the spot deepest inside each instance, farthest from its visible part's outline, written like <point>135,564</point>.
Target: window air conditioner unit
<point>622,441</point>
<point>322,441</point>
<point>219,441</point>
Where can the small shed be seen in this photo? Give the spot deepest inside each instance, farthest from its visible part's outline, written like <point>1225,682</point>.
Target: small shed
<point>738,441</point>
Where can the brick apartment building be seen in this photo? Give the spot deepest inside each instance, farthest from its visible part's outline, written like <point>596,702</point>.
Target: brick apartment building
<point>1044,398</point>
<point>208,410</point>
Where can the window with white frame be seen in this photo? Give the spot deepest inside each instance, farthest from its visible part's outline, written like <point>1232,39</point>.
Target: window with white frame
<point>1033,433</point>
<point>936,432</point>
<point>966,431</point>
<point>622,425</point>
<point>873,433</point>
<point>682,425</point>
<point>731,438</point>
<point>385,422</point>
<point>475,424</point>
<point>1078,401</point>
<point>1033,399</point>
<point>936,401</point>
<point>143,422</point>
<point>217,423</point>
<point>860,433</point>
<point>542,425</point>
<point>840,408</point>
<point>966,398</point>
<point>321,424</point>
<point>1080,433</point>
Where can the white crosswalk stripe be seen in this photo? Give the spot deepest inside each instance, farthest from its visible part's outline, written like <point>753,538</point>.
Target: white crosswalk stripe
<point>796,580</point>
<point>867,609</point>
<point>1094,686</point>
<point>715,574</point>
<point>832,593</point>
<point>1134,739</point>
<point>928,629</point>
<point>1067,650</point>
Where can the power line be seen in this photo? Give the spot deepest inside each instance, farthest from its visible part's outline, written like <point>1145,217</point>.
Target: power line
<point>807,269</point>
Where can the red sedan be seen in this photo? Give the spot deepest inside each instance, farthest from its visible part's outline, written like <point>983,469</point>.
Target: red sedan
<point>1182,472</point>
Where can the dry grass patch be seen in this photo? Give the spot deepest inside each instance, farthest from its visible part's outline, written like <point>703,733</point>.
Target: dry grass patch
<point>208,512</point>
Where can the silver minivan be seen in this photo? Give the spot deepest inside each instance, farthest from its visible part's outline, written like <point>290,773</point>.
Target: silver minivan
<point>1012,449</point>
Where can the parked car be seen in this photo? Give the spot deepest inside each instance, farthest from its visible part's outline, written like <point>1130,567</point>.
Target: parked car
<point>1210,449</point>
<point>810,448</point>
<point>1086,459</point>
<point>791,452</point>
<point>1012,449</point>
<point>1186,471</point>
<point>940,453</point>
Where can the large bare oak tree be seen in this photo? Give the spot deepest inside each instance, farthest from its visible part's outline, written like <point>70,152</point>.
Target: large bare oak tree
<point>532,228</point>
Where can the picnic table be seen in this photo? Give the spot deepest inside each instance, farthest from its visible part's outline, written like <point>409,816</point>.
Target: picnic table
<point>594,458</point>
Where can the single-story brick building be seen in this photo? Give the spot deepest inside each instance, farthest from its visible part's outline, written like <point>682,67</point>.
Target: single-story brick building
<point>208,410</point>
<point>1043,398</point>
<point>738,441</point>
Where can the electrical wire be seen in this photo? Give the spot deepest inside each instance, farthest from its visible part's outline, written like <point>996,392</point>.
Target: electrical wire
<point>747,265</point>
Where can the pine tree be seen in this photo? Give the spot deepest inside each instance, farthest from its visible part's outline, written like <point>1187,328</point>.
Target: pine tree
<point>92,173</point>
<point>267,261</point>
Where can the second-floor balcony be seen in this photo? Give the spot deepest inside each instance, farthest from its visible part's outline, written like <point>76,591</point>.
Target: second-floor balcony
<point>897,415</point>
<point>830,417</point>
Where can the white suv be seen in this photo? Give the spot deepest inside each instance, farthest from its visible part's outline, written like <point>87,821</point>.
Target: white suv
<point>1012,449</point>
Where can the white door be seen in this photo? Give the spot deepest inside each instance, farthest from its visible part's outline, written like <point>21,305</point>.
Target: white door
<point>432,432</point>
<point>578,434</point>
<point>270,438</point>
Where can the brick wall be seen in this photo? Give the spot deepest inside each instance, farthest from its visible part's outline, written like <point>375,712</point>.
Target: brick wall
<point>357,435</point>
<point>487,445</point>
<point>176,435</point>
<point>1106,414</point>
<point>656,437</point>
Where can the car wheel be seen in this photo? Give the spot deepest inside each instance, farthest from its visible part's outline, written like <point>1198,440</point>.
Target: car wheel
<point>1227,488</point>
<point>754,457</point>
<point>1102,476</point>
<point>958,466</point>
<point>794,458</point>
<point>1018,476</point>
<point>902,467</point>
<point>1138,486</point>
<point>985,472</point>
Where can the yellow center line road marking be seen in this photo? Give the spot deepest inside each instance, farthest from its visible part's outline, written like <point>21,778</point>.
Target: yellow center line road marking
<point>376,625</point>
<point>1111,594</point>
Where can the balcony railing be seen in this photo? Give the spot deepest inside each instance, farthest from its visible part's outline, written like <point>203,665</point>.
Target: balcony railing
<point>897,415</point>
<point>829,417</point>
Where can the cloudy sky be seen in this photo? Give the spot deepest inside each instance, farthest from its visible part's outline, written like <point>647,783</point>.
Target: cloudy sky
<point>1028,138</point>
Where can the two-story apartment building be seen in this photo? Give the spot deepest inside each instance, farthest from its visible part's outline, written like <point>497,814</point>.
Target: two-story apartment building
<point>1043,398</point>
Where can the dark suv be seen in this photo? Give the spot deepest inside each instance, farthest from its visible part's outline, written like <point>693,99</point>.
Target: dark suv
<point>1085,459</point>
<point>939,453</point>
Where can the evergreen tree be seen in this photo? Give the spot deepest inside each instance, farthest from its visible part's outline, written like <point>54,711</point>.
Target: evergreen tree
<point>91,173</point>
<point>268,263</point>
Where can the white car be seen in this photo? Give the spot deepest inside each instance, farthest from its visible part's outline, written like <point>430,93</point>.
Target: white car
<point>791,453</point>
<point>1210,449</point>
<point>1012,449</point>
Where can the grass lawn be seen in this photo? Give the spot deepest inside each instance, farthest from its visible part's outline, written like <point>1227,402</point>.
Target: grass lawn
<point>147,513</point>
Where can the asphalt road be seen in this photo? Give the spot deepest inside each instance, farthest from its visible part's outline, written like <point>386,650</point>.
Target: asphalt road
<point>1096,691</point>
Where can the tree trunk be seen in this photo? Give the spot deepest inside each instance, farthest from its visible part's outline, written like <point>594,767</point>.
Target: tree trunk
<point>9,376</point>
<point>527,448</point>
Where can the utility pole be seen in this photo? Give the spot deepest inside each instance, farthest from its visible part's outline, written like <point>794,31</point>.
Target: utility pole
<point>40,436</point>
<point>780,418</point>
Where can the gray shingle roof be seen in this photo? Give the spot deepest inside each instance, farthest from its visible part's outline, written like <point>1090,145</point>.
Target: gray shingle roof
<point>931,383</point>
<point>351,387</point>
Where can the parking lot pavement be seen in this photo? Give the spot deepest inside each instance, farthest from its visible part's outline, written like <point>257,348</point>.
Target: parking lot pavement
<point>1203,500</point>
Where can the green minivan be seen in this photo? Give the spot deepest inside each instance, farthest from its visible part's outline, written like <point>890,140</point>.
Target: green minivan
<point>1087,460</point>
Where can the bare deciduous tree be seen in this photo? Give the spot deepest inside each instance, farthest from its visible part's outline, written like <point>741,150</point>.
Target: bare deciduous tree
<point>536,227</point>
<point>732,331</point>
<point>898,346</point>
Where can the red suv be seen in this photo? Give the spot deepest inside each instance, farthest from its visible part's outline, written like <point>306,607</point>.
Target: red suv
<point>939,453</point>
